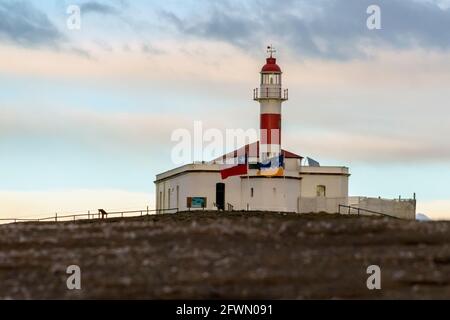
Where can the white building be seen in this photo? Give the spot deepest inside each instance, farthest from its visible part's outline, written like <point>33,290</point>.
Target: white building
<point>302,189</point>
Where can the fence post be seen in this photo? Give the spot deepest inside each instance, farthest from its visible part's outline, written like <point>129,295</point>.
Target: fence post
<point>89,214</point>
<point>147,210</point>
<point>56,217</point>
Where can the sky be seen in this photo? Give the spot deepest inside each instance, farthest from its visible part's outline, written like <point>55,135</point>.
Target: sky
<point>86,115</point>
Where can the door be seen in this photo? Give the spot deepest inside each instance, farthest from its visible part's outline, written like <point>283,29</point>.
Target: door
<point>220,196</point>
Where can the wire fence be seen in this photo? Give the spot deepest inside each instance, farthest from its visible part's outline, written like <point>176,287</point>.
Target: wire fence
<point>99,215</point>
<point>104,215</point>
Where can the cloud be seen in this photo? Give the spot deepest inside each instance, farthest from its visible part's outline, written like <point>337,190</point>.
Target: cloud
<point>133,63</point>
<point>219,24</point>
<point>323,29</point>
<point>21,23</point>
<point>151,50</point>
<point>136,131</point>
<point>93,130</point>
<point>326,29</point>
<point>98,8</point>
<point>366,148</point>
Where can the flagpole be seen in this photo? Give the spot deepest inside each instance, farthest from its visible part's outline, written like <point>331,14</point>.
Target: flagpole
<point>249,189</point>
<point>242,194</point>
<point>284,180</point>
<point>248,182</point>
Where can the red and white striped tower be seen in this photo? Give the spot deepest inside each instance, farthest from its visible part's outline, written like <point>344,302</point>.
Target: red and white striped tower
<point>270,96</point>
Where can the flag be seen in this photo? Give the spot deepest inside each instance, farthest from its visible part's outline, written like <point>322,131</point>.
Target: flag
<point>237,170</point>
<point>273,167</point>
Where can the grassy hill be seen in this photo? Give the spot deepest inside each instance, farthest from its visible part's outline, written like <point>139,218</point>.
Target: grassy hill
<point>226,255</point>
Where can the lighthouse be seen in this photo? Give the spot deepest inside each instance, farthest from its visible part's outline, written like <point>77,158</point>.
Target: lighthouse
<point>270,96</point>
<point>300,188</point>
<point>257,184</point>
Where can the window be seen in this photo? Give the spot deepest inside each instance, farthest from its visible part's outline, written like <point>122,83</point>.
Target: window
<point>274,79</point>
<point>270,78</point>
<point>264,78</point>
<point>321,191</point>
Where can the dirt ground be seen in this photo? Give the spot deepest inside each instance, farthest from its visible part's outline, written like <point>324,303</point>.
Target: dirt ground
<point>226,256</point>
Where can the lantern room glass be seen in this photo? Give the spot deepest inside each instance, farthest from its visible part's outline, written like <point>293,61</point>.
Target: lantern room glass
<point>271,79</point>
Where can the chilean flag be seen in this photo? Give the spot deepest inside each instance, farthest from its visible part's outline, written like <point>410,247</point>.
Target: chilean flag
<point>237,170</point>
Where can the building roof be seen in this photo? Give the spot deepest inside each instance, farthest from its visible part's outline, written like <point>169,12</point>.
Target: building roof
<point>252,151</point>
<point>271,66</point>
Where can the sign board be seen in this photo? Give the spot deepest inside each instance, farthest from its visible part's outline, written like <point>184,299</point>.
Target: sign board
<point>196,202</point>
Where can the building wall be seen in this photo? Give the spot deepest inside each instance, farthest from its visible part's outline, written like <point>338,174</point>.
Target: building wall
<point>321,204</point>
<point>403,209</point>
<point>295,194</point>
<point>335,180</point>
<point>192,180</point>
<point>201,184</point>
<point>271,106</point>
<point>292,165</point>
<point>269,194</point>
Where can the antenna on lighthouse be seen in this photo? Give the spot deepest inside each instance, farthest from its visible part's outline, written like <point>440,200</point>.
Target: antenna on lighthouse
<point>271,50</point>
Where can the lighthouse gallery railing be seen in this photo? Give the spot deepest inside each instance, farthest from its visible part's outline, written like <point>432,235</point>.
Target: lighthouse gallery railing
<point>270,93</point>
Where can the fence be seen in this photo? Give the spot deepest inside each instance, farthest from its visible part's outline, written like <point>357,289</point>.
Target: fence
<point>358,211</point>
<point>100,215</point>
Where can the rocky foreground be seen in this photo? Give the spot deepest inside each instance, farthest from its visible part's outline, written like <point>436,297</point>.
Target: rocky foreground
<point>226,256</point>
